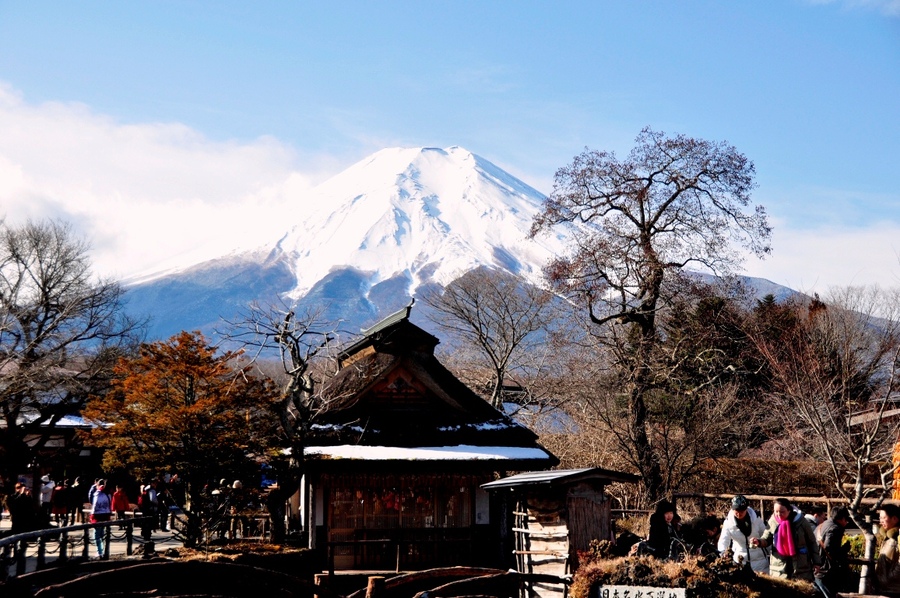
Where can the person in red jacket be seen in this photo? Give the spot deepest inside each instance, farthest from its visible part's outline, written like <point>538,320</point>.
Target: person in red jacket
<point>120,502</point>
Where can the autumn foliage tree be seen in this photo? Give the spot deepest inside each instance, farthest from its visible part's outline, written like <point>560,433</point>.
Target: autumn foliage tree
<point>180,406</point>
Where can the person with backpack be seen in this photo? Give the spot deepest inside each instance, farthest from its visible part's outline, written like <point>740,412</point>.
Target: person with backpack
<point>835,566</point>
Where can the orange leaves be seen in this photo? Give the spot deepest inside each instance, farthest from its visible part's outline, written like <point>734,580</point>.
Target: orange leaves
<point>180,403</point>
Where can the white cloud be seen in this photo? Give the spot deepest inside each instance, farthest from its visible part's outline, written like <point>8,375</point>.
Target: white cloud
<point>142,193</point>
<point>819,258</point>
<point>154,195</point>
<point>890,8</point>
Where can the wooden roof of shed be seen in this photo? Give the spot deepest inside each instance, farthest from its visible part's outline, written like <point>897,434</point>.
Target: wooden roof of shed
<point>561,477</point>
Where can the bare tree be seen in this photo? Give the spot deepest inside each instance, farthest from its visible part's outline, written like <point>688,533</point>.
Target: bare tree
<point>673,202</point>
<point>504,317</point>
<point>276,330</point>
<point>703,372</point>
<point>836,372</point>
<point>61,331</point>
<point>266,331</point>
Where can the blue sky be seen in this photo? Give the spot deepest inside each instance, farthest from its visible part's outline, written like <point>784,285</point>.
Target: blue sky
<point>205,119</point>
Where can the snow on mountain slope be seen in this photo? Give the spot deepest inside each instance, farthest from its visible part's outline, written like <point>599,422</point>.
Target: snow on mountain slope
<point>426,213</point>
<point>395,221</point>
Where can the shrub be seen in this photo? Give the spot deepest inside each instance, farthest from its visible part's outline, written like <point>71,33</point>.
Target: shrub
<point>703,577</point>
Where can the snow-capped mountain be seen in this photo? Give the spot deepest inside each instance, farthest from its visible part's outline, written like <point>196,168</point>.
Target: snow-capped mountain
<point>389,225</point>
<point>366,241</point>
<point>428,215</point>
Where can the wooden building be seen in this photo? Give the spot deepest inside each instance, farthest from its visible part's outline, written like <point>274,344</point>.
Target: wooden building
<point>396,461</point>
<point>556,514</point>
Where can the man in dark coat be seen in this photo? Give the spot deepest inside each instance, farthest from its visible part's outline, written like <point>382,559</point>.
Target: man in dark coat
<point>830,536</point>
<point>22,510</point>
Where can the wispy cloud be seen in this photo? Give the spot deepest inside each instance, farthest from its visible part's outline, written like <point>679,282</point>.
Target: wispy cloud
<point>818,258</point>
<point>890,8</point>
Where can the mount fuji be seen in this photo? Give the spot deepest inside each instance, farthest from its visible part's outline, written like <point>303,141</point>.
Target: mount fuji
<point>365,242</point>
<point>378,233</point>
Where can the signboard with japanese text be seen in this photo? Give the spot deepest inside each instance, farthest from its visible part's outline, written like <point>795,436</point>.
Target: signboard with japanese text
<point>638,592</point>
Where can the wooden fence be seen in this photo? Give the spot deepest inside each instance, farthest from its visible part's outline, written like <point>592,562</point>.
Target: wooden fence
<point>65,542</point>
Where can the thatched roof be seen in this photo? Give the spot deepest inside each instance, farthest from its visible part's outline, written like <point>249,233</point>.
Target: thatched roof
<point>393,392</point>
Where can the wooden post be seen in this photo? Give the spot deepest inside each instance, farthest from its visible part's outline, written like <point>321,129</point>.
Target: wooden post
<point>129,538</point>
<point>87,543</point>
<point>42,552</point>
<point>4,571</point>
<point>64,546</point>
<point>107,536</point>
<point>21,549</point>
<point>311,523</point>
<point>375,588</point>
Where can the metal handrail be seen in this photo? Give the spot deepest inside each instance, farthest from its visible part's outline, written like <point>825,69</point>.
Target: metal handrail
<point>18,543</point>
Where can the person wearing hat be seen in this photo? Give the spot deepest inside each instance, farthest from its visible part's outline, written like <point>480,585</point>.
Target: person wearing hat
<point>147,507</point>
<point>742,524</point>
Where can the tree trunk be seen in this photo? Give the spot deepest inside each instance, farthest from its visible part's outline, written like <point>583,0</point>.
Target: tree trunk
<point>646,458</point>
<point>867,572</point>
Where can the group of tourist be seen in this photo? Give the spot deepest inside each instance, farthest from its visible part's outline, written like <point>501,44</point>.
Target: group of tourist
<point>62,501</point>
<point>790,545</point>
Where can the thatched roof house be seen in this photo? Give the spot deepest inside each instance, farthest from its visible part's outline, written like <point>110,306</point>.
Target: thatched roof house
<point>396,461</point>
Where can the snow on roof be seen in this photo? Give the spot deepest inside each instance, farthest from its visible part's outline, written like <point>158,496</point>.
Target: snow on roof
<point>560,476</point>
<point>462,452</point>
<point>491,425</point>
<point>66,421</point>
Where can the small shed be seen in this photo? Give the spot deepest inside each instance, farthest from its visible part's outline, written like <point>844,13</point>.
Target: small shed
<point>555,514</point>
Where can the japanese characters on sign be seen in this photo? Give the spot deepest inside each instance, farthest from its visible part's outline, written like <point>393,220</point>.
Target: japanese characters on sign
<point>638,592</point>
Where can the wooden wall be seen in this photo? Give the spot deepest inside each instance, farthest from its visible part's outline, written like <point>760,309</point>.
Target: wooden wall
<point>552,526</point>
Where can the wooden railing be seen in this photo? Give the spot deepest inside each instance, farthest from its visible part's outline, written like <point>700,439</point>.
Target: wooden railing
<point>68,541</point>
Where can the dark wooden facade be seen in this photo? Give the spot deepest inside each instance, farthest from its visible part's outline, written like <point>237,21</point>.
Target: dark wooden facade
<point>396,462</point>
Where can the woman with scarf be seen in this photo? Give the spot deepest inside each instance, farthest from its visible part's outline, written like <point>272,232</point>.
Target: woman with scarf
<point>795,552</point>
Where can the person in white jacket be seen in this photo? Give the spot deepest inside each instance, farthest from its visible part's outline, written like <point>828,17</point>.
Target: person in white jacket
<point>742,524</point>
